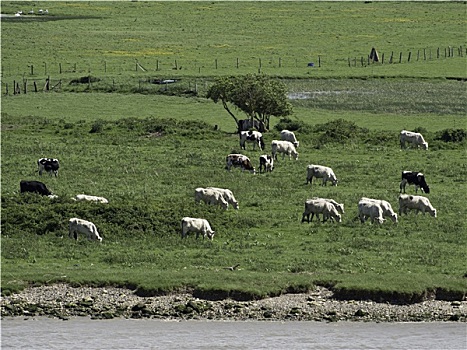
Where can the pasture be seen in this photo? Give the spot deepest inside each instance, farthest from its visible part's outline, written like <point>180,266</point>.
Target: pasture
<point>147,152</point>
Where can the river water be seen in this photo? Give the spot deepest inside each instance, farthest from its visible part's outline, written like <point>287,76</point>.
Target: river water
<point>83,333</point>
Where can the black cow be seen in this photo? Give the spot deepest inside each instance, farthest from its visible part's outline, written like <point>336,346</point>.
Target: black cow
<point>50,165</point>
<point>247,124</point>
<point>414,178</point>
<point>35,187</point>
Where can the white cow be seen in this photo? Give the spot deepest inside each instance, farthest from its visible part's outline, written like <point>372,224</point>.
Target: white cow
<point>287,135</point>
<point>227,195</point>
<point>385,206</point>
<point>251,136</point>
<point>199,226</point>
<point>414,138</point>
<point>370,209</point>
<point>76,226</point>
<point>339,207</point>
<point>210,196</point>
<point>320,206</point>
<point>320,171</point>
<point>284,147</point>
<point>418,203</point>
<point>241,161</point>
<point>88,198</point>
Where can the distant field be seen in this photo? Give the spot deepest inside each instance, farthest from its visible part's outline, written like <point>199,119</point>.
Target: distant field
<point>108,38</point>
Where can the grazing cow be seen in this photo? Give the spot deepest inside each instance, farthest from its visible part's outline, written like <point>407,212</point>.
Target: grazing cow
<point>418,203</point>
<point>385,206</point>
<point>50,165</point>
<point>320,171</point>
<point>35,187</point>
<point>287,135</point>
<point>251,136</point>
<point>240,161</point>
<point>414,138</point>
<point>339,207</point>
<point>197,225</point>
<point>320,206</point>
<point>414,178</point>
<point>370,209</point>
<point>210,196</point>
<point>228,196</point>
<point>87,198</point>
<point>76,226</point>
<point>247,124</point>
<point>284,147</point>
<point>266,163</point>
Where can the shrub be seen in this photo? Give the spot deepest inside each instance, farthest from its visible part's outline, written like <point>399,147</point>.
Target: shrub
<point>339,130</point>
<point>451,135</point>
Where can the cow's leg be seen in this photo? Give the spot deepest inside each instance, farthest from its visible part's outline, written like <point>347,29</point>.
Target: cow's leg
<point>402,185</point>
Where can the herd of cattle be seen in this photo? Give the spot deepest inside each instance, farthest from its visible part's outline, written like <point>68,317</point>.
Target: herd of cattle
<point>376,210</point>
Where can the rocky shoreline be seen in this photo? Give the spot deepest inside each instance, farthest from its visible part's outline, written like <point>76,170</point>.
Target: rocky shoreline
<point>63,301</point>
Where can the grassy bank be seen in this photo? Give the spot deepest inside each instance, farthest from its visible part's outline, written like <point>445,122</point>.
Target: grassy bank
<point>146,148</point>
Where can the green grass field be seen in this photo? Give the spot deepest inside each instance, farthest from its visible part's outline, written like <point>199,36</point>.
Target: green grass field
<point>151,150</point>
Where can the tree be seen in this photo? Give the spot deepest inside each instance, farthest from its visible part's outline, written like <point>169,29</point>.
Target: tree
<point>257,95</point>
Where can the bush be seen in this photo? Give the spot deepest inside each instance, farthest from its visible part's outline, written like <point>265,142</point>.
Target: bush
<point>451,135</point>
<point>339,130</point>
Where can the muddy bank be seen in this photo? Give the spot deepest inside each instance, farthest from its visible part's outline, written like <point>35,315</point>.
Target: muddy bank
<point>63,301</point>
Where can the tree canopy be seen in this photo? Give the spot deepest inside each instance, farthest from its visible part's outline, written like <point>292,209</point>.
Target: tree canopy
<point>257,95</point>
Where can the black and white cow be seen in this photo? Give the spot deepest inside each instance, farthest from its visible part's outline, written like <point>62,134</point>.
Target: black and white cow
<point>34,187</point>
<point>414,178</point>
<point>239,161</point>
<point>50,165</point>
<point>252,136</point>
<point>266,163</point>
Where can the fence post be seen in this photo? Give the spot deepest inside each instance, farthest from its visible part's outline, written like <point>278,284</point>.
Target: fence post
<point>237,62</point>
<point>6,88</point>
<point>382,58</point>
<point>410,54</point>
<point>105,66</point>
<point>216,62</point>
<point>35,86</point>
<point>25,86</point>
<point>319,61</point>
<point>45,68</point>
<point>361,59</point>
<point>348,59</point>
<point>437,53</point>
<point>390,58</point>
<point>32,69</point>
<point>280,63</point>
<point>400,57</point>
<point>424,54</point>
<point>157,65</point>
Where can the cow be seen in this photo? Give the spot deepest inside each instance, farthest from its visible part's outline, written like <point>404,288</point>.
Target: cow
<point>284,147</point>
<point>251,136</point>
<point>320,206</point>
<point>320,171</point>
<point>76,226</point>
<point>370,209</point>
<point>50,165</point>
<point>414,178</point>
<point>248,124</point>
<point>239,161</point>
<point>414,138</point>
<point>199,226</point>
<point>385,206</point>
<point>287,135</point>
<point>88,198</point>
<point>418,203</point>
<point>266,163</point>
<point>34,187</point>
<point>228,196</point>
<point>339,207</point>
<point>211,197</point>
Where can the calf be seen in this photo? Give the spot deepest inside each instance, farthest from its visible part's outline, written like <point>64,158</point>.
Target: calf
<point>88,198</point>
<point>370,209</point>
<point>228,196</point>
<point>320,171</point>
<point>50,165</point>
<point>414,138</point>
<point>254,137</point>
<point>240,161</point>
<point>210,196</point>
<point>266,163</point>
<point>418,203</point>
<point>385,206</point>
<point>76,226</point>
<point>320,206</point>
<point>35,187</point>
<point>199,226</point>
<point>414,178</point>
<point>287,135</point>
<point>284,147</point>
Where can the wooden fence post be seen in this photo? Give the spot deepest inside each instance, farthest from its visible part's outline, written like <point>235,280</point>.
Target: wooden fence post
<point>390,58</point>
<point>400,57</point>
<point>35,86</point>
<point>382,58</point>
<point>319,61</point>
<point>60,68</point>
<point>6,88</point>
<point>348,59</point>
<point>32,69</point>
<point>437,53</point>
<point>410,54</point>
<point>280,63</point>
<point>25,86</point>
<point>418,55</point>
<point>157,65</point>
<point>237,62</point>
<point>424,54</point>
<point>216,62</point>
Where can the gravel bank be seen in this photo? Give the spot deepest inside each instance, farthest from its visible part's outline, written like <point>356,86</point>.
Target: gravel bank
<point>63,301</point>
